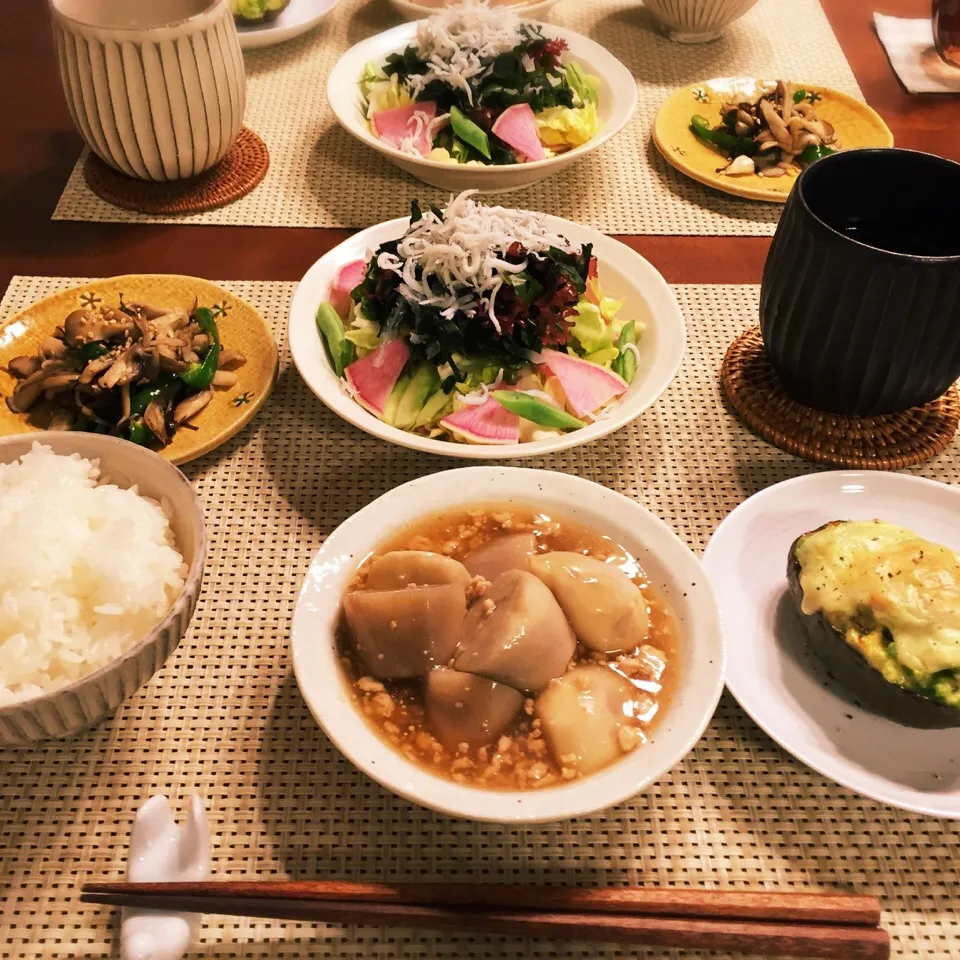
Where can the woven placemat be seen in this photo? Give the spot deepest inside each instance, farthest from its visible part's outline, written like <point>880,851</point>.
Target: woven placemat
<point>886,442</point>
<point>223,717</point>
<point>244,166</point>
<point>321,176</point>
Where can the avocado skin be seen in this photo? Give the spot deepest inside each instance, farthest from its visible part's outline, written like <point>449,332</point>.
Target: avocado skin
<point>855,673</point>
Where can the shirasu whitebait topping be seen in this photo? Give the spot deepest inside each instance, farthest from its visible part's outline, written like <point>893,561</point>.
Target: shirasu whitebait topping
<point>454,44</point>
<point>459,255</point>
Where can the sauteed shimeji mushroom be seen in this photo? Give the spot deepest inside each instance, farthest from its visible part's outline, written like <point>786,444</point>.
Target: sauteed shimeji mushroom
<point>138,371</point>
<point>777,134</point>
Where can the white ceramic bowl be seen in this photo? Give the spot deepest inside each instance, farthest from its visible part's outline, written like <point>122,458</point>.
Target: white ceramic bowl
<point>673,570</point>
<point>415,11</point>
<point>93,698</point>
<point>624,274</point>
<point>697,21</point>
<point>618,98</point>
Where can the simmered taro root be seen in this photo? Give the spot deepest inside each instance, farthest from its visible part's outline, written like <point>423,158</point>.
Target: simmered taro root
<point>506,649</point>
<point>501,555</point>
<point>404,568</point>
<point>403,633</point>
<point>586,716</point>
<point>464,708</point>
<point>516,634</point>
<point>606,610</point>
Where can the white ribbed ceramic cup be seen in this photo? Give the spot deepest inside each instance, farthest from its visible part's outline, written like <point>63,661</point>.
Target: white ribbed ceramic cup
<point>155,87</point>
<point>696,21</point>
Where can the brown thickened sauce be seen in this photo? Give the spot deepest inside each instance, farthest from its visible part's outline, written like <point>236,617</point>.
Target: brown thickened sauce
<point>520,759</point>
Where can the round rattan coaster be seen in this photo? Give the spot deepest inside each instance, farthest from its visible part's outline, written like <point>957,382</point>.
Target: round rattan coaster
<point>244,166</point>
<point>886,442</point>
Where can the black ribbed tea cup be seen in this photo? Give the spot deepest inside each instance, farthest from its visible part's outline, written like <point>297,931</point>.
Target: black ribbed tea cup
<point>860,302</point>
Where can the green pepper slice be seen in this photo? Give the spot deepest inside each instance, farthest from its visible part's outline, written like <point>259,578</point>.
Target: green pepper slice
<point>90,351</point>
<point>814,152</point>
<point>727,142</point>
<point>137,430</point>
<point>536,410</point>
<point>469,132</point>
<point>200,375</point>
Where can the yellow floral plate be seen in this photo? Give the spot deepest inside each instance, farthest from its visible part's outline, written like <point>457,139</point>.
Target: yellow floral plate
<point>241,328</point>
<point>857,125</point>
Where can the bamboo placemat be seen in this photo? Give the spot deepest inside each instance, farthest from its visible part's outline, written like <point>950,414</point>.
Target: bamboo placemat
<point>224,716</point>
<point>320,176</point>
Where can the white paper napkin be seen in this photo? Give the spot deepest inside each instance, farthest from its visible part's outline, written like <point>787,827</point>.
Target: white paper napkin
<point>909,45</point>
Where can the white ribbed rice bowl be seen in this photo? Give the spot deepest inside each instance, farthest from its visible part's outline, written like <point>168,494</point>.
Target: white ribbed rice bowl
<point>618,99</point>
<point>91,699</point>
<point>697,21</point>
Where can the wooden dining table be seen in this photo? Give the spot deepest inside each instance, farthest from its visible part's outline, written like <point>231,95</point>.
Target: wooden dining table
<point>38,148</point>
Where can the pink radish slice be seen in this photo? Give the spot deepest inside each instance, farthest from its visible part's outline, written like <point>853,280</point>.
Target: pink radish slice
<point>399,123</point>
<point>588,386</point>
<point>348,277</point>
<point>487,422</point>
<point>517,128</point>
<point>374,376</point>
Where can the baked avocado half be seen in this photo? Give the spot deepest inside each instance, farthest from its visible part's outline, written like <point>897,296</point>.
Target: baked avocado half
<point>882,612</point>
<point>248,12</point>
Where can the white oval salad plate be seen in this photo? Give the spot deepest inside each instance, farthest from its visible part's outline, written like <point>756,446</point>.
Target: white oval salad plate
<point>624,275</point>
<point>294,20</point>
<point>672,568</point>
<point>781,684</point>
<point>617,101</point>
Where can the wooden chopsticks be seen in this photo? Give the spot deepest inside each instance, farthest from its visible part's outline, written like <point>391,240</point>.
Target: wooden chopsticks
<point>826,926</point>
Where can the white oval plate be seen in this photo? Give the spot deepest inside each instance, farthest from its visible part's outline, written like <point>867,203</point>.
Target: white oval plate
<point>618,99</point>
<point>298,18</point>
<point>775,678</point>
<point>623,273</point>
<point>673,570</point>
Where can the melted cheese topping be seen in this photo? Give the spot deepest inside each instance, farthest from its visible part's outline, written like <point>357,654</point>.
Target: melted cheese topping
<point>456,42</point>
<point>906,584</point>
<point>455,261</point>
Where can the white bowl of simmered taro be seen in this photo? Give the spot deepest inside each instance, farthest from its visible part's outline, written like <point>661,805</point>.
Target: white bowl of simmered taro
<point>507,644</point>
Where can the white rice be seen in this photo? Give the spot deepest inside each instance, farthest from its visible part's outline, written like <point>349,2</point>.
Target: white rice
<point>88,570</point>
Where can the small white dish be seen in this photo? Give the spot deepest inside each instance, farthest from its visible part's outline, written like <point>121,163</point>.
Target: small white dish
<point>299,17</point>
<point>415,11</point>
<point>673,570</point>
<point>624,274</point>
<point>781,684</point>
<point>618,98</point>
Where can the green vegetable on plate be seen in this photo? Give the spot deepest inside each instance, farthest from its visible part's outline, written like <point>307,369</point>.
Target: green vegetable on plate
<point>200,375</point>
<point>467,131</point>
<point>729,143</point>
<point>536,410</point>
<point>625,365</point>
<point>340,350</point>
<point>256,11</point>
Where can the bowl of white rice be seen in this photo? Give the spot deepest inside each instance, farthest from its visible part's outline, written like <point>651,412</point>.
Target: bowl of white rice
<point>103,544</point>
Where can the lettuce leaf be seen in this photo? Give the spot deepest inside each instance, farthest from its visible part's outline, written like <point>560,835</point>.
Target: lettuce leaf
<point>585,86</point>
<point>383,93</point>
<point>568,126</point>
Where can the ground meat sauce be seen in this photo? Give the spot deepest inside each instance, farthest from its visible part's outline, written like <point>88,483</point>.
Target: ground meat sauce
<point>520,758</point>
